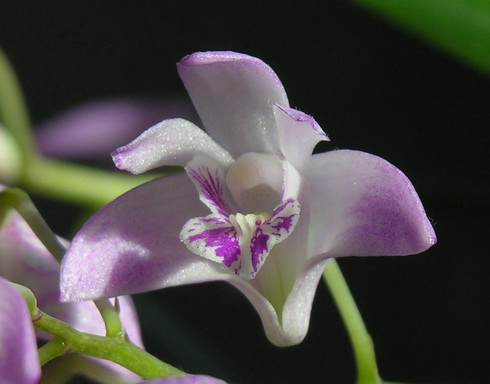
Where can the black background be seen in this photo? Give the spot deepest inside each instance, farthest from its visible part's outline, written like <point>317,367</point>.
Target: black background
<point>372,87</point>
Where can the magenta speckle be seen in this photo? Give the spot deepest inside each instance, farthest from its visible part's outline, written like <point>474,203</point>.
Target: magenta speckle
<point>284,223</point>
<point>258,247</point>
<point>225,242</point>
<point>211,187</point>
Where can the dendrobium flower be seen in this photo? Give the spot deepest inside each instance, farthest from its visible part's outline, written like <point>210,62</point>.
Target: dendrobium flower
<point>270,214</point>
<point>19,362</point>
<point>24,260</point>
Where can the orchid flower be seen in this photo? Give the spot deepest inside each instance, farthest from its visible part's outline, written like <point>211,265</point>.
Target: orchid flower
<point>24,260</point>
<point>19,362</point>
<point>188,379</point>
<point>255,207</point>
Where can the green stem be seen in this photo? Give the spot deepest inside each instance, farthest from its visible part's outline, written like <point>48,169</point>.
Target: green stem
<point>62,371</point>
<point>53,348</point>
<point>80,184</point>
<point>367,371</point>
<point>13,110</point>
<point>118,350</point>
<point>110,315</point>
<point>16,199</point>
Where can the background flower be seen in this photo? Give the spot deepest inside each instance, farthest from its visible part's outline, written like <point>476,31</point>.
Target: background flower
<point>19,362</point>
<point>92,130</point>
<point>25,260</point>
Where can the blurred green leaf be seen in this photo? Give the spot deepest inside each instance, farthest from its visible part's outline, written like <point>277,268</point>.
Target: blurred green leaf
<point>460,27</point>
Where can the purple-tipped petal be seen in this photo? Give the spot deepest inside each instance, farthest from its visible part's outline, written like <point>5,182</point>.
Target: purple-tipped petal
<point>298,133</point>
<point>363,205</point>
<point>188,379</point>
<point>233,94</point>
<point>133,244</point>
<point>93,130</point>
<point>170,142</point>
<point>19,362</point>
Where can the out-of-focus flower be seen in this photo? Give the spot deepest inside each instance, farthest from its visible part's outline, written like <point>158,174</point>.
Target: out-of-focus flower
<point>273,214</point>
<point>24,260</point>
<point>19,362</point>
<point>92,131</point>
<point>188,379</point>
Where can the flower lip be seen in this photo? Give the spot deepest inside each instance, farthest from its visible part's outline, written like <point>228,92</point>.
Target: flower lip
<point>240,241</point>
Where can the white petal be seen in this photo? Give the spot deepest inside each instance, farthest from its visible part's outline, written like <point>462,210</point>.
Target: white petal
<point>170,142</point>
<point>298,133</point>
<point>233,94</point>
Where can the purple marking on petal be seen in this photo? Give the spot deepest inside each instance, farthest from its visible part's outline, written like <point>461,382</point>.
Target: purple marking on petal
<point>223,240</point>
<point>273,231</point>
<point>215,220</point>
<point>259,248</point>
<point>209,180</point>
<point>212,237</point>
<point>281,207</point>
<point>285,222</point>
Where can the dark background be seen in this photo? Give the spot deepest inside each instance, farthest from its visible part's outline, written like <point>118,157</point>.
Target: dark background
<point>372,87</point>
